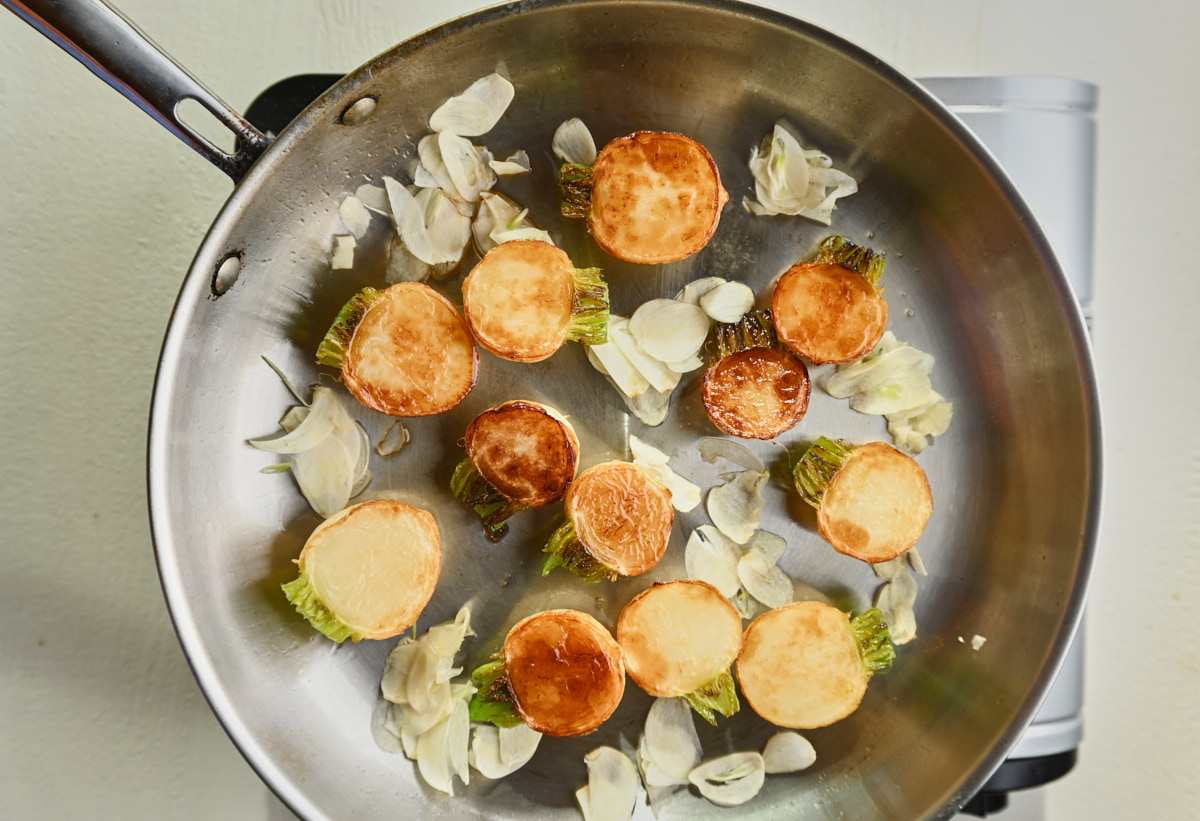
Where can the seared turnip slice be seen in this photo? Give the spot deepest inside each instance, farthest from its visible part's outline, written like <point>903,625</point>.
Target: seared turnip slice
<point>368,571</point>
<point>680,638</point>
<point>832,309</point>
<point>560,671</point>
<point>519,455</point>
<point>872,501</point>
<point>807,664</point>
<point>404,351</point>
<point>619,518</point>
<point>756,389</point>
<point>650,196</point>
<point>524,300</point>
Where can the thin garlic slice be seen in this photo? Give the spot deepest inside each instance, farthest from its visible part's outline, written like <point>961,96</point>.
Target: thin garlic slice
<point>489,748</point>
<point>610,361</point>
<point>736,506</point>
<point>513,165</point>
<point>355,216</point>
<point>711,556</point>
<point>428,224</point>
<point>687,365</point>
<point>896,598</point>
<point>684,494</point>
<point>670,744</point>
<point>728,302</point>
<point>467,167</point>
<point>650,406</point>
<point>314,425</point>
<point>759,572</point>
<point>477,109</point>
<point>573,143</point>
<point>433,756</point>
<point>790,179</point>
<point>611,791</point>
<point>788,752</point>
<point>694,291</point>
<point>712,448</point>
<point>660,377</point>
<point>393,683</point>
<point>342,256</point>
<point>730,780</point>
<point>374,197</point>
<point>395,436</point>
<point>669,330</point>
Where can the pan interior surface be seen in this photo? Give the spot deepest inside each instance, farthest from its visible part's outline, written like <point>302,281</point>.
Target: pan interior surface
<point>969,278</point>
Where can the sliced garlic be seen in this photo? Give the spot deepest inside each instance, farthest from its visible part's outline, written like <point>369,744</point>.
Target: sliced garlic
<point>395,436</point>
<point>660,377</point>
<point>393,684</point>
<point>684,494</point>
<point>669,330</point>
<point>518,744</point>
<point>758,570</point>
<point>573,143</point>
<point>736,506</point>
<point>477,109</point>
<point>728,302</point>
<point>355,216</point>
<point>670,745</point>
<point>497,752</point>
<point>611,791</point>
<point>694,291</point>
<point>512,166</point>
<point>404,266</point>
<point>730,780</point>
<point>712,448</point>
<point>428,223</point>
<point>650,406</point>
<point>896,598</point>
<point>466,166</point>
<point>790,179</point>
<point>342,256</point>
<point>609,360</point>
<point>374,197</point>
<point>687,365</point>
<point>788,752</point>
<point>711,556</point>
<point>433,756</point>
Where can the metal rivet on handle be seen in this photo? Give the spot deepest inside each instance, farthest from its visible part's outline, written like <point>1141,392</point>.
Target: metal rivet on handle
<point>358,111</point>
<point>226,274</point>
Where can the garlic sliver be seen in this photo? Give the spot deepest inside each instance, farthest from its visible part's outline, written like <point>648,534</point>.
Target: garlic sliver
<point>670,741</point>
<point>788,752</point>
<point>728,302</point>
<point>694,291</point>
<point>612,785</point>
<point>736,506</point>
<point>355,216</point>
<point>476,110</point>
<point>573,143</point>
<point>669,330</point>
<point>341,258</point>
<point>710,556</point>
<point>730,780</point>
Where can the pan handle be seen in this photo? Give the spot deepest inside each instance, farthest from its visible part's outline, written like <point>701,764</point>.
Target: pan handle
<point>116,51</point>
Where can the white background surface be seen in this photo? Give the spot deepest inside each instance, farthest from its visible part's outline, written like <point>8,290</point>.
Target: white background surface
<point>101,211</point>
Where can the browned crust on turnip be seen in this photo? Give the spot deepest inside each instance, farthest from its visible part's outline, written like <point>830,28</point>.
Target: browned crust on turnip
<point>758,393</point>
<point>375,565</point>
<point>411,354</point>
<point>656,197</point>
<point>828,313</point>
<point>518,299</point>
<point>800,666</point>
<point>527,453</point>
<point>622,515</point>
<point>877,504</point>
<point>678,636</point>
<point>565,670</point>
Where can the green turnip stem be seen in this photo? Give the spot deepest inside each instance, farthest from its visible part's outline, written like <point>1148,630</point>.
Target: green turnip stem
<point>817,467</point>
<point>718,696</point>
<point>754,330</point>
<point>303,596</point>
<point>492,507</point>
<point>589,309</point>
<point>493,702</point>
<point>858,258</point>
<point>874,639</point>
<point>575,186</point>
<point>332,350</point>
<point>566,550</point>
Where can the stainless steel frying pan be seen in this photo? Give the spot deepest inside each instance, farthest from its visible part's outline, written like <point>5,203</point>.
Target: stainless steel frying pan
<point>970,278</point>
